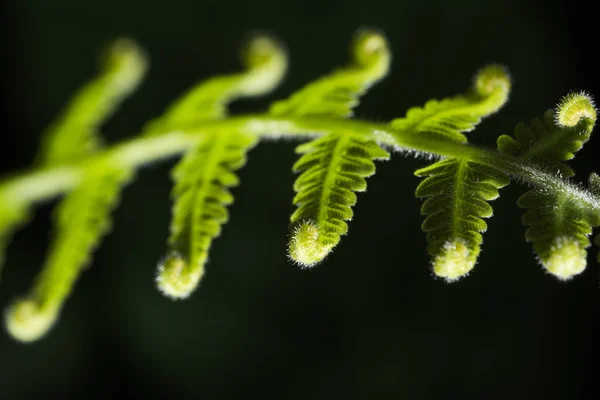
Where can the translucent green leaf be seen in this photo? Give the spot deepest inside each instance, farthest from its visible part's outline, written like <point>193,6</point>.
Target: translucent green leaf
<point>559,230</point>
<point>82,218</point>
<point>201,194</point>
<point>205,173</point>
<point>559,227</point>
<point>333,168</point>
<point>457,192</point>
<point>449,117</point>
<point>76,132</point>
<point>336,94</point>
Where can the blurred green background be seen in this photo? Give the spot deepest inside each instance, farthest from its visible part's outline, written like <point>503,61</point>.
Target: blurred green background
<point>370,322</point>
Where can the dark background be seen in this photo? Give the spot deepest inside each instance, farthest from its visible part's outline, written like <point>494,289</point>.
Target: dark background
<point>370,322</point>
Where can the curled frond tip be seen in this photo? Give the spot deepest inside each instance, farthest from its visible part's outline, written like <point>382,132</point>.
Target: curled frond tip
<point>305,248</point>
<point>566,258</point>
<point>369,47</point>
<point>26,321</point>
<point>573,107</point>
<point>126,59</point>
<point>492,78</point>
<point>175,279</point>
<point>454,261</point>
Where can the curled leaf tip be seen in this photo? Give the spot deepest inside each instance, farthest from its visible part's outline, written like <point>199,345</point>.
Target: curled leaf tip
<point>370,46</point>
<point>26,321</point>
<point>175,279</point>
<point>566,258</point>
<point>266,59</point>
<point>573,107</point>
<point>305,247</point>
<point>127,61</point>
<point>491,79</point>
<point>454,261</point>
<point>260,49</point>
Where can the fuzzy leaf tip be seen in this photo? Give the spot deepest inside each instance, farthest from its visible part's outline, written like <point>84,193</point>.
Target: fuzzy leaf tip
<point>305,248</point>
<point>565,259</point>
<point>573,107</point>
<point>454,261</point>
<point>175,279</point>
<point>26,321</point>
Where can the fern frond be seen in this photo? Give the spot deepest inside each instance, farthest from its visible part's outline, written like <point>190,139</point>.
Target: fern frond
<point>457,192</point>
<point>333,168</point>
<point>559,230</point>
<point>82,218</point>
<point>559,227</point>
<point>205,173</point>
<point>76,132</point>
<point>336,94</point>
<point>449,117</point>
<point>201,194</point>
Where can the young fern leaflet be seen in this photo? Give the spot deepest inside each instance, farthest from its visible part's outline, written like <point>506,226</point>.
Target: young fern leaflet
<point>457,190</point>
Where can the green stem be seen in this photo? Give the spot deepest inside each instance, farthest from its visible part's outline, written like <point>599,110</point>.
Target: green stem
<point>36,185</point>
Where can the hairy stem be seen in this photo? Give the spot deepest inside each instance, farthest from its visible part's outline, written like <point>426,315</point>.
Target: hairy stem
<point>40,184</point>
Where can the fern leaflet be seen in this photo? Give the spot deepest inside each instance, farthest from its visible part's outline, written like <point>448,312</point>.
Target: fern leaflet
<point>457,190</point>
<point>334,166</point>
<point>83,216</point>
<point>559,227</point>
<point>559,230</point>
<point>205,173</point>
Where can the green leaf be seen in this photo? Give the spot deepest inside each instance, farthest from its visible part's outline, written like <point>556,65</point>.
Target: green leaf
<point>559,230</point>
<point>559,227</point>
<point>82,218</point>
<point>336,94</point>
<point>205,172</point>
<point>76,132</point>
<point>333,168</point>
<point>457,193</point>
<point>448,118</point>
<point>548,143</point>
<point>456,189</point>
<point>201,196</point>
